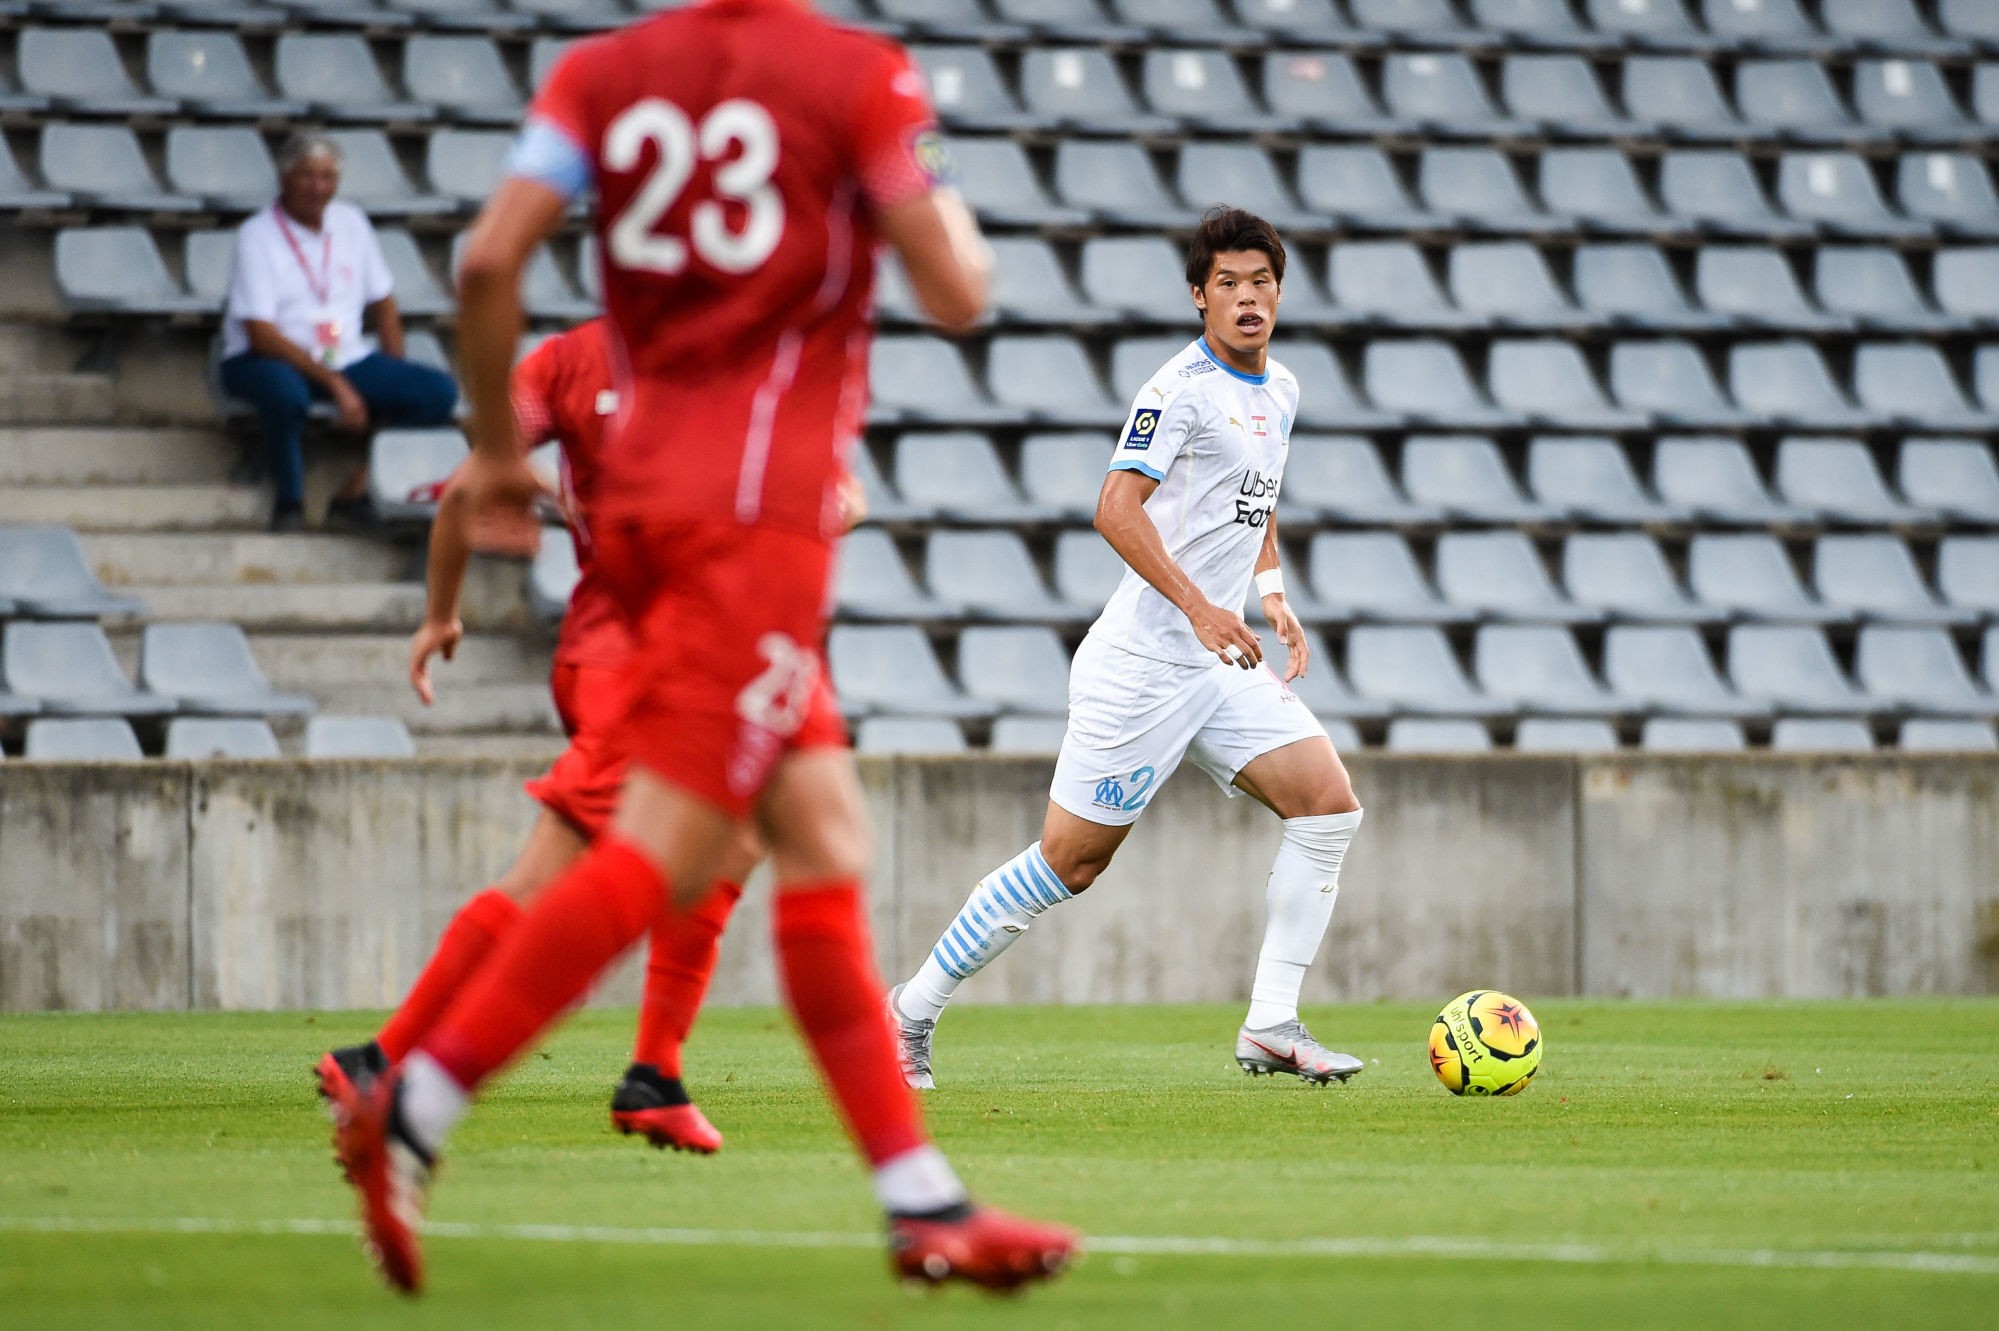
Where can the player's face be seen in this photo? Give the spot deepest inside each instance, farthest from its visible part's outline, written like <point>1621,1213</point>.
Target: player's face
<point>1238,304</point>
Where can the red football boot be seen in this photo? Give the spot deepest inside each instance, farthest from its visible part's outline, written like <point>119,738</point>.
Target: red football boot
<point>658,1109</point>
<point>390,1174</point>
<point>979,1245</point>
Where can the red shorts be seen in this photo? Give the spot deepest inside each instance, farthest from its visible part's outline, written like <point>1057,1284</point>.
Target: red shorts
<point>727,674</point>
<point>582,787</point>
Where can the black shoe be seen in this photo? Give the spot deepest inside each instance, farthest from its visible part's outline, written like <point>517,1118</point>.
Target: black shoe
<point>659,1109</point>
<point>357,513</point>
<point>357,1065</point>
<point>287,516</point>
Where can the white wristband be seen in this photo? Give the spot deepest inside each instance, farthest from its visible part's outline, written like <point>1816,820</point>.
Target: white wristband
<point>1270,582</point>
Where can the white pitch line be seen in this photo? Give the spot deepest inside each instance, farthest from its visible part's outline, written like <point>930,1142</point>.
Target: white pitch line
<point>1410,1247</point>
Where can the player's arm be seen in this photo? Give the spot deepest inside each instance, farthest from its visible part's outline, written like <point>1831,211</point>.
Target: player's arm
<point>948,262</point>
<point>450,555</point>
<point>1123,521</point>
<point>1297,652</point>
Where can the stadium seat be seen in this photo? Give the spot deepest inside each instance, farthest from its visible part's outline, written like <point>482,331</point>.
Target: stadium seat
<point>1838,190</point>
<point>17,192</point>
<point>1921,735</point>
<point>473,15</point>
<point>1480,184</point>
<point>1427,380</point>
<point>1717,480</point>
<point>1065,472</point>
<point>92,740</point>
<point>466,164</point>
<point>209,72</point>
<point>209,671</point>
<point>552,575</point>
<point>407,470</point>
<point>1341,478</point>
<point>102,166</point>
<point>1466,477</point>
<point>1758,20</point>
<point>1952,190</point>
<point>1968,572</point>
<point>1909,96</point>
<point>1969,18</point>
<point>1791,667</point>
<point>1540,667</point>
<point>958,475</point>
<point>966,89</point>
<point>870,581</point>
<point>1000,184</point>
<point>1872,283</point>
<point>1717,187</point>
<point>78,69</point>
<point>372,179</point>
<point>1892,23</point>
<point>545,292</point>
<point>1563,92</point>
<point>1550,22</point>
<point>1413,669</point>
<point>1920,669</point>
<point>44,574</point>
<point>1787,382</point>
<point>1668,669</point>
<point>1087,570</point>
<point>1752,574</point>
<point>421,347</point>
<point>358,737</point>
<point>1875,575</point>
<point>923,380</point>
<point>1330,401</point>
<point>1374,575</point>
<point>1416,734</point>
<point>118,269</point>
<point>1238,175</point>
<point>1598,187</point>
<point>1431,18</point>
<point>1673,734</point>
<point>70,668</point>
<point>1321,688</point>
<point>1116,183</point>
<point>228,166</point>
<point>1299,20</point>
<point>1442,93</point>
<point>1390,282</point>
<point>993,575</point>
<point>1047,379</point>
<point>1201,89</point>
<point>1625,575</point>
<point>1029,734</point>
<point>1357,184</point>
<point>1967,281</point>
<point>949,19</point>
<point>1985,375</point>
<point>1509,283</point>
<point>893,669</point>
<point>1642,20</point>
<point>1079,88</point>
<point>417,290</point>
<point>1838,478</point>
<point>1565,734</point>
<point>1795,96</point>
<point>337,76</point>
<point>1829,734</point>
<point>1755,284</point>
<point>463,77</point>
<point>1138,277</point>
<point>1547,380</point>
<point>1679,93</point>
<point>1029,286</point>
<point>1911,382</point>
<point>574,16</point>
<point>1321,91</point>
<point>909,734</point>
<point>1670,380</point>
<point>1956,477</point>
<point>1021,669</point>
<point>1499,574</point>
<point>1134,360</point>
<point>1592,478</point>
<point>199,737</point>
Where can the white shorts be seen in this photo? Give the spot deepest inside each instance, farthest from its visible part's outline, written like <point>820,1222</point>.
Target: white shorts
<point>1131,720</point>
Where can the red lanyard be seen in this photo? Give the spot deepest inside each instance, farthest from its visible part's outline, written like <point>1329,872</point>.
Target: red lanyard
<point>322,289</point>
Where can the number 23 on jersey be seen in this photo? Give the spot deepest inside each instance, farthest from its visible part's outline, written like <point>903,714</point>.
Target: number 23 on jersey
<point>740,138</point>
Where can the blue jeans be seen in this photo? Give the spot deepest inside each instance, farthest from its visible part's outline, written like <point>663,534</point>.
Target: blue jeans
<point>397,392</point>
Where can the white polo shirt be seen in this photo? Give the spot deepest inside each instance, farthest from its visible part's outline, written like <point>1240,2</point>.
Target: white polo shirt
<point>304,279</point>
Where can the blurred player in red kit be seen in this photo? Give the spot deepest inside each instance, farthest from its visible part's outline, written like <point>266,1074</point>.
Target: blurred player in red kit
<point>747,158</point>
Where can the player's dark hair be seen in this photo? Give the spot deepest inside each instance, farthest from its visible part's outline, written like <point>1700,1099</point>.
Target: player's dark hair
<point>1223,229</point>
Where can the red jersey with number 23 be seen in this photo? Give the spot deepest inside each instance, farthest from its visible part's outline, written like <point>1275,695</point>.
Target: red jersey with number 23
<point>741,150</point>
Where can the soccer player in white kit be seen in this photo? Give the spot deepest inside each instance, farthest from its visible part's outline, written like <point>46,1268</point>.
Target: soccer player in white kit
<point>1170,670</point>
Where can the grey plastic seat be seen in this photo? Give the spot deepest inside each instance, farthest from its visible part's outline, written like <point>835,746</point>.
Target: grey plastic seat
<point>91,740</point>
<point>1967,281</point>
<point>1029,286</point>
<point>469,15</point>
<point>466,164</point>
<point>1755,283</point>
<point>199,737</point>
<point>1374,575</point>
<point>1871,282</point>
<point>1320,90</point>
<point>1047,379</point>
<point>338,77</point>
<point>1625,575</point>
<point>1919,669</point>
<point>1648,20</point>
<point>1561,90</point>
<point>1753,575</point>
<point>1029,734</point>
<point>1138,277</point>
<point>79,69</point>
<point>1668,669</point>
<point>1203,89</point>
<point>1679,92</point>
<point>1356,182</point>
<point>17,192</point>
<point>909,734</point>
<point>545,292</point>
<point>1417,734</point>
<point>118,269</point>
<point>1670,380</point>
<point>1838,190</point>
<point>1509,282</point>
<point>1429,17</point>
<point>1541,668</point>
<point>958,474</point>
<point>1114,182</point>
<point>1599,187</point>
<point>1953,190</point>
<point>1021,669</point>
<point>1593,478</point>
<point>1322,688</point>
<point>1065,472</point>
<point>1414,670</point>
<point>885,506</point>
<point>1889,22</point>
<point>1000,184</point>
<point>1427,379</point>
<point>870,581</point>
<point>422,347</point>
<point>1820,735</point>
<point>1466,477</point>
<point>1792,668</point>
<point>1788,382</point>
<point>1551,21</point>
<point>1760,19</point>
<point>1675,734</point>
<point>966,89</point>
<point>545,52</point>
<point>1330,402</point>
<point>894,669</point>
<point>1548,380</point>
<point>1298,20</point>
<point>1241,176</point>
<point>228,166</point>
<point>1087,570</point>
<point>1920,735</point>
<point>358,737</point>
<point>1907,95</point>
<point>552,575</point>
<point>1985,375</point>
<point>70,668</point>
<point>1911,382</point>
<point>1079,88</point>
<point>992,573</point>
<point>1838,477</point>
<point>1876,575</point>
<point>103,167</point>
<point>372,179</point>
<point>209,72</point>
<point>924,379</point>
<point>1342,478</point>
<point>209,670</point>
<point>1439,90</point>
<point>463,77</point>
<point>1481,185</point>
<point>417,290</point>
<point>1717,480</point>
<point>937,18</point>
<point>1717,186</point>
<point>1499,574</point>
<point>1956,477</point>
<point>1564,734</point>
<point>1790,95</point>
<point>407,470</point>
<point>1968,18</point>
<point>1134,360</point>
<point>44,574</point>
<point>1391,281</point>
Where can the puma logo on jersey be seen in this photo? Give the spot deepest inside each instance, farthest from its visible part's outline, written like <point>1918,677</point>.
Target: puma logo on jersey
<point>1157,391</point>
<point>1233,421</point>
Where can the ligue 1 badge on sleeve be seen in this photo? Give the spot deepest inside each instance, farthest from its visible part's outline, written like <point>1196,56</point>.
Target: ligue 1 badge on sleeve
<point>1139,437</point>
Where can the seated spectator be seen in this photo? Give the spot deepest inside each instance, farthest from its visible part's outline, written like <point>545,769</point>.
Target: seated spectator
<point>305,272</point>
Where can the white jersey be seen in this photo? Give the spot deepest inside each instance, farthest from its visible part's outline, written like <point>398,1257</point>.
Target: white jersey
<point>1214,438</point>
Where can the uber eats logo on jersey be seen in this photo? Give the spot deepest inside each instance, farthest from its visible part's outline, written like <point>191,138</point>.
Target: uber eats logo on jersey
<point>1255,497</point>
<point>1139,437</point>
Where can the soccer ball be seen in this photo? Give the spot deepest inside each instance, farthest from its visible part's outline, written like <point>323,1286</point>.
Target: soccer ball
<point>1485,1043</point>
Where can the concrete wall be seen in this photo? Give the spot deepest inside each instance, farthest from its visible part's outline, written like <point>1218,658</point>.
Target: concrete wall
<point>323,884</point>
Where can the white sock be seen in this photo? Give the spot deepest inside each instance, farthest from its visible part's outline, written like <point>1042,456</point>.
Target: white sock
<point>998,911</point>
<point>430,1101</point>
<point>1304,884</point>
<point>917,1181</point>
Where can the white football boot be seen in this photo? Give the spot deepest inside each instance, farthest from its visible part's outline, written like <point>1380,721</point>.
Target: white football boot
<point>1289,1047</point>
<point>912,1044</point>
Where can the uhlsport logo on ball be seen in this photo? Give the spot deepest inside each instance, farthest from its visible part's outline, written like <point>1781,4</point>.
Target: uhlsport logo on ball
<point>1485,1043</point>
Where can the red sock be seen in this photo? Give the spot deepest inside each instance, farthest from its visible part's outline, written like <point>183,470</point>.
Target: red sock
<point>827,968</point>
<point>577,927</point>
<point>479,923</point>
<point>682,961</point>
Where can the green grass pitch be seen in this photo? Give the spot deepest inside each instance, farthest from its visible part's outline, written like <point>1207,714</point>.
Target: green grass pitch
<point>1765,1165</point>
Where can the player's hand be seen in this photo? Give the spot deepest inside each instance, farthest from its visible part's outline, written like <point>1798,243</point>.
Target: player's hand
<point>853,502</point>
<point>1297,652</point>
<point>1225,633</point>
<point>499,487</point>
<point>434,638</point>
<point>350,411</point>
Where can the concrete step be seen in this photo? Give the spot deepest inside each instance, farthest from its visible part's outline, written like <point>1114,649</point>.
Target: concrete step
<point>332,607</point>
<point>534,748</point>
<point>136,507</point>
<point>197,559</point>
<point>39,348</point>
<point>512,709</point>
<point>54,398</point>
<point>35,455</point>
<point>311,663</point>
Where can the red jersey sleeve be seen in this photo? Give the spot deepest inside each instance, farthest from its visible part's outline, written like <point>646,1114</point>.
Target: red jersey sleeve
<point>897,151</point>
<point>534,391</point>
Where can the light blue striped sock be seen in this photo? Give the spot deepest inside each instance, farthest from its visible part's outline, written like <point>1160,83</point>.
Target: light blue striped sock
<point>998,911</point>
